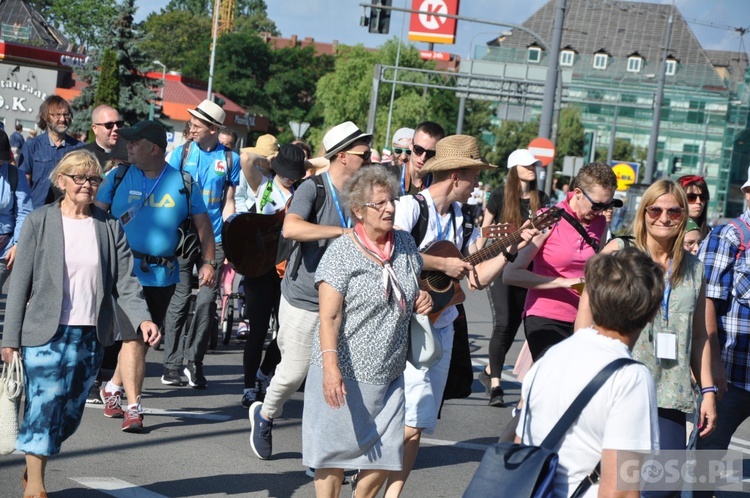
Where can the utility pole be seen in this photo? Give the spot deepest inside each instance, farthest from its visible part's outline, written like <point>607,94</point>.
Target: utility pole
<point>550,87</point>
<point>653,141</point>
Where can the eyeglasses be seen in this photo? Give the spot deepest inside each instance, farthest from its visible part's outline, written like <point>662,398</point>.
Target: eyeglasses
<point>597,206</point>
<point>94,181</point>
<point>689,244</point>
<point>673,213</point>
<point>398,151</point>
<point>365,154</point>
<point>111,124</point>
<point>58,115</point>
<point>692,197</point>
<point>419,150</point>
<point>380,206</point>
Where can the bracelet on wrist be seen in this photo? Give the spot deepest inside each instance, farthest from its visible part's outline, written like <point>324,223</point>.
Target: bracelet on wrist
<point>330,351</point>
<point>508,256</point>
<point>710,389</point>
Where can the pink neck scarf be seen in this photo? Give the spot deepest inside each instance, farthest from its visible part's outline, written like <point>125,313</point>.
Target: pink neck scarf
<point>390,282</point>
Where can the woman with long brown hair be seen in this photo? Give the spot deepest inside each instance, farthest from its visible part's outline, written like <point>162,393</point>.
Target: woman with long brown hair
<point>514,203</point>
<point>697,196</point>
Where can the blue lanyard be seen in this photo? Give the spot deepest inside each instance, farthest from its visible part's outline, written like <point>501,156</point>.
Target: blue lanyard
<point>143,185</point>
<point>440,234</point>
<point>403,180</point>
<point>345,221</point>
<point>667,291</point>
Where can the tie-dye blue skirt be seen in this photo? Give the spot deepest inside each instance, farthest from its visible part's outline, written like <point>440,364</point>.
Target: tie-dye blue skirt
<point>59,375</point>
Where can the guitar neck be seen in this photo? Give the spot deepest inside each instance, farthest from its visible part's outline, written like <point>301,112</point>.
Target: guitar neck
<point>494,249</point>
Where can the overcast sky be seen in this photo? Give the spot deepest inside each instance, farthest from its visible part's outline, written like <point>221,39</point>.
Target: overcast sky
<point>328,20</point>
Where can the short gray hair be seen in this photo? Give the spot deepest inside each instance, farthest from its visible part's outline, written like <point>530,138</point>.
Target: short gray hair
<point>358,190</point>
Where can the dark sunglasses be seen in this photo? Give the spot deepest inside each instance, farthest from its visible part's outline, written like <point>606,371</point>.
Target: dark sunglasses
<point>94,181</point>
<point>419,150</point>
<point>597,206</point>
<point>111,124</point>
<point>673,213</point>
<point>398,151</point>
<point>692,197</point>
<point>365,155</point>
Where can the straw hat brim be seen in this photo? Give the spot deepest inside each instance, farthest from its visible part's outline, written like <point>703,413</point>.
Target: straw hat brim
<point>451,163</point>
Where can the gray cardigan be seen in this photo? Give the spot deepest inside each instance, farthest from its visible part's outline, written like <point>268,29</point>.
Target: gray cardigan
<point>34,304</point>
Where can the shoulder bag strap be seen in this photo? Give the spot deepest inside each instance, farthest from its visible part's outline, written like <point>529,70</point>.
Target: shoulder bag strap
<point>575,409</point>
<point>579,228</point>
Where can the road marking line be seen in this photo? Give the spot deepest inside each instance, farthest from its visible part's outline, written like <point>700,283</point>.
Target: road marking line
<point>455,444</point>
<point>116,487</point>
<point>177,413</point>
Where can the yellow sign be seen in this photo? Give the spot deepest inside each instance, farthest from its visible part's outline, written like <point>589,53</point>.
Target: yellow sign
<point>626,175</point>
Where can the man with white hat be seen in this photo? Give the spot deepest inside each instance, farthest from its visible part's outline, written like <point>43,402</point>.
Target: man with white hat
<point>455,169</point>
<point>726,258</point>
<point>216,171</point>
<point>348,149</point>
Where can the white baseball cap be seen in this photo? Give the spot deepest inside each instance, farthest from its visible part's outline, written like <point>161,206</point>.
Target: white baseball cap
<point>747,183</point>
<point>522,157</point>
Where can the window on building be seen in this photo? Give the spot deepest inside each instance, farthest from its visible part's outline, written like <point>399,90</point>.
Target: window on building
<point>534,55</point>
<point>671,67</point>
<point>567,57</point>
<point>634,64</point>
<point>600,61</point>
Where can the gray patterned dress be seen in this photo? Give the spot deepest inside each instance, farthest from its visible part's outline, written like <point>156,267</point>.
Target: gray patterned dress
<point>368,432</point>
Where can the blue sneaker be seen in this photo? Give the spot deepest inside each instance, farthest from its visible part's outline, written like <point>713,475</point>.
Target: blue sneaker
<point>261,438</point>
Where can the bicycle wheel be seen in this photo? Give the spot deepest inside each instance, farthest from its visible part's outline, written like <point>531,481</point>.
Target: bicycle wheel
<point>227,324</point>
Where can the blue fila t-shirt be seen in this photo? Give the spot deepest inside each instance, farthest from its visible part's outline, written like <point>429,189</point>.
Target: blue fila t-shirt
<point>209,170</point>
<point>152,229</point>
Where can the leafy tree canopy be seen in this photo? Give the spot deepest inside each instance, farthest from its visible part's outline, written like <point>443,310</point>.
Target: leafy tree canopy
<point>82,21</point>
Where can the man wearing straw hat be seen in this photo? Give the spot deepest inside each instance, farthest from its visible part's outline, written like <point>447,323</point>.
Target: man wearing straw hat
<point>216,171</point>
<point>455,169</point>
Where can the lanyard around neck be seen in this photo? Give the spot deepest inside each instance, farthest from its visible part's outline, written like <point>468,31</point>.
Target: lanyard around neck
<point>440,234</point>
<point>345,221</point>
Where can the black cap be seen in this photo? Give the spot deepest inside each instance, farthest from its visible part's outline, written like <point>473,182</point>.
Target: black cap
<point>5,154</point>
<point>289,162</point>
<point>150,130</point>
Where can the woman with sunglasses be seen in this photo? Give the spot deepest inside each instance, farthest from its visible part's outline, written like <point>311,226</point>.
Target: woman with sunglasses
<point>60,312</point>
<point>559,256</point>
<point>697,196</point>
<point>675,344</point>
<point>512,203</point>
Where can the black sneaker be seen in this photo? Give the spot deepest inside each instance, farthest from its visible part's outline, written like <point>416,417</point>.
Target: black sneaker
<point>94,398</point>
<point>484,378</point>
<point>194,374</point>
<point>496,397</point>
<point>261,437</point>
<point>171,377</point>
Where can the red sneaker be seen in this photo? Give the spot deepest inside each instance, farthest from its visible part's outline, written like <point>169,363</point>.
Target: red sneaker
<point>112,403</point>
<point>133,421</point>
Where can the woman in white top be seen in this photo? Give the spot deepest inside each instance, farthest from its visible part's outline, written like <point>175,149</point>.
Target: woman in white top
<point>60,312</point>
<point>265,195</point>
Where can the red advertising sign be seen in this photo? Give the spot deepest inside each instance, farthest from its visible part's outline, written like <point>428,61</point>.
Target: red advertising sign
<point>432,28</point>
<point>431,55</point>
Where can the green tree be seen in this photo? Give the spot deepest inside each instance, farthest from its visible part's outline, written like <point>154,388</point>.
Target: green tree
<point>509,136</point>
<point>195,7</point>
<point>136,90</point>
<point>623,151</point>
<point>179,39</point>
<point>82,21</point>
<point>570,133</point>
<point>108,86</point>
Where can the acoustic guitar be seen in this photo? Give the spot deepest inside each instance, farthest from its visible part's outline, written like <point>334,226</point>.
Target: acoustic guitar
<point>446,291</point>
<point>251,241</point>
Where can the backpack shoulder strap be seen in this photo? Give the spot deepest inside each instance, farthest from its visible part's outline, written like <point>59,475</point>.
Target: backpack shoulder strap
<point>419,230</point>
<point>744,231</point>
<point>187,183</point>
<point>13,182</point>
<point>320,196</point>
<point>120,173</point>
<point>468,225</point>
<point>185,152</point>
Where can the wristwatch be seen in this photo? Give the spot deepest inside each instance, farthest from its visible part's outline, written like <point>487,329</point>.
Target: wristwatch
<point>211,262</point>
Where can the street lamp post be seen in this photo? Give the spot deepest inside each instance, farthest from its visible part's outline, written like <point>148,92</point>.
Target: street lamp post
<point>163,78</point>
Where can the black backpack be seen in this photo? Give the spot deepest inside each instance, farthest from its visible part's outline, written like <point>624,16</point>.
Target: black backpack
<point>420,229</point>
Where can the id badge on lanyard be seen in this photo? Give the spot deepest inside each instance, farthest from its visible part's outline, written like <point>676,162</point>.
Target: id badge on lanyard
<point>666,340</point>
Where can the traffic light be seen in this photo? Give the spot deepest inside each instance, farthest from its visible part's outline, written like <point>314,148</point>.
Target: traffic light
<point>380,19</point>
<point>676,165</point>
<point>588,146</point>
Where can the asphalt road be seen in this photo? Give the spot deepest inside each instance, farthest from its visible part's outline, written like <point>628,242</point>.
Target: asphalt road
<point>196,442</point>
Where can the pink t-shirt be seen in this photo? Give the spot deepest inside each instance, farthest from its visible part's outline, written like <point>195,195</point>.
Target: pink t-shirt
<point>564,254</point>
<point>80,270</point>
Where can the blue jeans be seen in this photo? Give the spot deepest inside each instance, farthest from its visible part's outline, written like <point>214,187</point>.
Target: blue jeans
<point>733,409</point>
